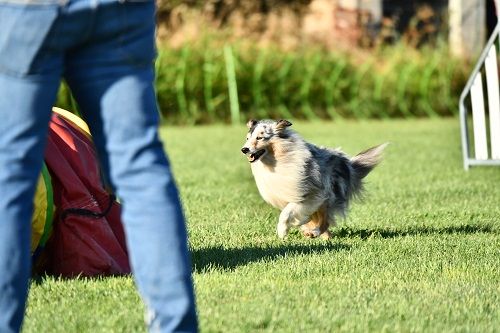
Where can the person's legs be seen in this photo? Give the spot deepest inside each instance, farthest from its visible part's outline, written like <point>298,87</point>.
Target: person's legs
<point>26,97</point>
<point>112,81</point>
<point>24,116</point>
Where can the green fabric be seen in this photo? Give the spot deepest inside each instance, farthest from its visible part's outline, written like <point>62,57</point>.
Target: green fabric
<point>50,206</point>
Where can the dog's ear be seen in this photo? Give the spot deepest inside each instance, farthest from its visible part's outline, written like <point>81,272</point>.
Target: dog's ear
<point>251,123</point>
<point>282,124</point>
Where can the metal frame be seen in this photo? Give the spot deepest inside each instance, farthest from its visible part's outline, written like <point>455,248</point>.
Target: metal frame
<point>468,160</point>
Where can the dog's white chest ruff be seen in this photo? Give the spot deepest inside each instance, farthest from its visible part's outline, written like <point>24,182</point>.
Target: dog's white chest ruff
<point>278,186</point>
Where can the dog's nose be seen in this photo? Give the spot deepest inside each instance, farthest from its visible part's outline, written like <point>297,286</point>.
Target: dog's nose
<point>245,150</point>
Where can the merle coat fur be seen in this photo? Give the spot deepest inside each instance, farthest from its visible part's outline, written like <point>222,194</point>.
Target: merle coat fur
<point>311,185</point>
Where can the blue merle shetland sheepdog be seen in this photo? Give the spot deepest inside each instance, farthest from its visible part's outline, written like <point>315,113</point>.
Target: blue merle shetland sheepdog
<point>311,185</point>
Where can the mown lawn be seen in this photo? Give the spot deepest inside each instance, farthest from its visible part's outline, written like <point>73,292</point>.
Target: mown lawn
<point>420,254</point>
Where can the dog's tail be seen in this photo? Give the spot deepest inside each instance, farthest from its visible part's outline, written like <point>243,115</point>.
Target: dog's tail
<point>363,163</point>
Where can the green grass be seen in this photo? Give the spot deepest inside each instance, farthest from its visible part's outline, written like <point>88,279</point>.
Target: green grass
<point>420,254</point>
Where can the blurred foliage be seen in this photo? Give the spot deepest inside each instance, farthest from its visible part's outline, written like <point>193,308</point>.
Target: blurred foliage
<point>221,7</point>
<point>392,81</point>
<point>409,75</point>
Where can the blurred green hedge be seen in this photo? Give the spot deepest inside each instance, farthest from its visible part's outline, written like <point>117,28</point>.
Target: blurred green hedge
<point>395,81</point>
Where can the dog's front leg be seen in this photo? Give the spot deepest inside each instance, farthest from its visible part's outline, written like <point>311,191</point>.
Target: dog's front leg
<point>293,214</point>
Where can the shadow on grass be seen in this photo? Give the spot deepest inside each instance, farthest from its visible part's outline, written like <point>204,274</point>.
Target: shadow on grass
<point>40,278</point>
<point>349,232</point>
<point>228,259</point>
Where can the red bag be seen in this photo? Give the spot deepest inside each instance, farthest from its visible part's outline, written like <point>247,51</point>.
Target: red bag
<point>87,237</point>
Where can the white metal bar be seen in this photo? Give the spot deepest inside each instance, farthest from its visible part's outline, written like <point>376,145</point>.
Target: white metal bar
<point>478,106</point>
<point>493,101</point>
<point>479,119</point>
<point>483,162</point>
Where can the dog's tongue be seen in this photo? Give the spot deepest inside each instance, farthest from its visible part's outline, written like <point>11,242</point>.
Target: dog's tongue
<point>251,158</point>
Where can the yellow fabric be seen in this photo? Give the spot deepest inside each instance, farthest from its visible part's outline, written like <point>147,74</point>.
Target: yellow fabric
<point>39,213</point>
<point>73,118</point>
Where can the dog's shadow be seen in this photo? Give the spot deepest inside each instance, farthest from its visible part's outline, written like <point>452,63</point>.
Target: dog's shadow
<point>220,258</point>
<point>230,258</point>
<point>350,232</point>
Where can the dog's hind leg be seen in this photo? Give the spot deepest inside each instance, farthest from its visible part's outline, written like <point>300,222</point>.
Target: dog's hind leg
<point>318,225</point>
<point>294,215</point>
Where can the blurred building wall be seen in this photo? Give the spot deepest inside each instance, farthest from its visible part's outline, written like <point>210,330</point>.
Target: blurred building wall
<point>467,26</point>
<point>469,21</point>
<point>333,23</point>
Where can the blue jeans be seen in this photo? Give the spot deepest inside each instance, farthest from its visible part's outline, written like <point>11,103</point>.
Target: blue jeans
<point>105,50</point>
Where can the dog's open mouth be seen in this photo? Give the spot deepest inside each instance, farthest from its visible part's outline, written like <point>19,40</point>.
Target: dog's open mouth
<point>255,156</point>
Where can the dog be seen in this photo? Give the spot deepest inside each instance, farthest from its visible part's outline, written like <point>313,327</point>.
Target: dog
<point>311,185</point>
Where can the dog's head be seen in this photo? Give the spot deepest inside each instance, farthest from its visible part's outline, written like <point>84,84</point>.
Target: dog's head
<point>260,137</point>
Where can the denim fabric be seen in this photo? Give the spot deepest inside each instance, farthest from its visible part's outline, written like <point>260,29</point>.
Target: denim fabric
<point>105,51</point>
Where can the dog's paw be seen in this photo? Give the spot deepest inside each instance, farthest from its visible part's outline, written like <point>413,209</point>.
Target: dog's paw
<point>326,235</point>
<point>315,232</point>
<point>310,232</point>
<point>282,230</point>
